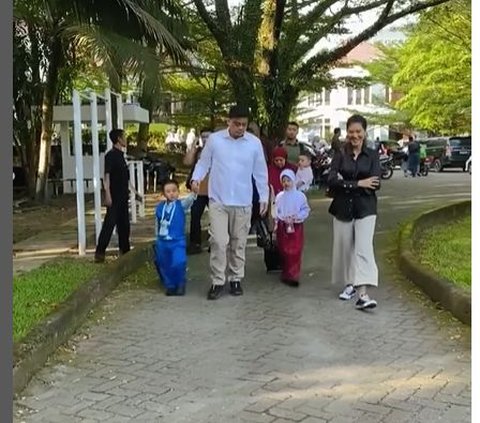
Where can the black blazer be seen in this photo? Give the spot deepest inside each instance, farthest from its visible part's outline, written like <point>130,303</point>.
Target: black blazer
<point>350,201</point>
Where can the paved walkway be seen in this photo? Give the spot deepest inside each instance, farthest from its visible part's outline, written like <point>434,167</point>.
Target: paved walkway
<point>45,246</point>
<point>276,354</point>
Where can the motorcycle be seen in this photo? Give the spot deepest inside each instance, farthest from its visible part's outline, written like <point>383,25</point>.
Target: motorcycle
<point>425,166</point>
<point>386,167</point>
<point>321,161</point>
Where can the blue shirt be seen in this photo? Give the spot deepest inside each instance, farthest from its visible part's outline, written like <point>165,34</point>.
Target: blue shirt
<point>230,164</point>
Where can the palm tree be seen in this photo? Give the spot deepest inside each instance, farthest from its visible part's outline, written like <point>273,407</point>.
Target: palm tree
<point>119,34</point>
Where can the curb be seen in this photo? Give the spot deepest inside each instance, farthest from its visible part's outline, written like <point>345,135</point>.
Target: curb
<point>31,354</point>
<point>451,297</point>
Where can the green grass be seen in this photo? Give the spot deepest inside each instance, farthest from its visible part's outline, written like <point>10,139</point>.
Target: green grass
<point>38,292</point>
<point>447,250</point>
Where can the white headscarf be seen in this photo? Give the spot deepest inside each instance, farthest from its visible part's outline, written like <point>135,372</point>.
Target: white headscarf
<point>292,202</point>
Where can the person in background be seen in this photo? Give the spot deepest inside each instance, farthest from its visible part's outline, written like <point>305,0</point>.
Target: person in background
<point>353,181</point>
<point>278,163</point>
<point>413,157</point>
<point>291,144</point>
<point>336,143</point>
<point>117,186</point>
<point>304,174</point>
<point>201,202</point>
<point>191,138</point>
<point>291,211</point>
<point>231,158</point>
<point>170,245</point>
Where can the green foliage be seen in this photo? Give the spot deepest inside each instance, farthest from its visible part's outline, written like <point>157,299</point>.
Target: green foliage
<point>37,293</point>
<point>432,70</point>
<point>447,250</point>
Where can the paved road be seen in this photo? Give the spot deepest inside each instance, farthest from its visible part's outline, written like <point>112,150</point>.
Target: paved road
<point>276,354</point>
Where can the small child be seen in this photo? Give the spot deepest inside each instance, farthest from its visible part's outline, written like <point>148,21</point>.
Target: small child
<point>304,175</point>
<point>170,245</point>
<point>291,211</point>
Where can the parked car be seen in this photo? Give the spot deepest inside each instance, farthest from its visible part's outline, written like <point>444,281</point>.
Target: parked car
<point>448,152</point>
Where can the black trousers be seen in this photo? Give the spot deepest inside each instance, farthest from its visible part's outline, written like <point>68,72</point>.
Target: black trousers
<point>196,212</point>
<point>117,216</point>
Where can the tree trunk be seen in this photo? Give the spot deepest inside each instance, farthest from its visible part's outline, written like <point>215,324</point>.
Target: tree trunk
<point>142,136</point>
<point>49,95</point>
<point>243,89</point>
<point>277,101</point>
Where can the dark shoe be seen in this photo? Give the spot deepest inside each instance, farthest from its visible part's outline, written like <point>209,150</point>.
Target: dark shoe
<point>170,292</point>
<point>365,302</point>
<point>181,291</point>
<point>194,249</point>
<point>215,292</point>
<point>99,259</point>
<point>236,288</point>
<point>289,282</point>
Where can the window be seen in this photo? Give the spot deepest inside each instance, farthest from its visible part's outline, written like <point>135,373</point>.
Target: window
<point>350,96</point>
<point>318,99</point>
<point>327,97</point>
<point>326,130</point>
<point>311,100</point>
<point>358,96</point>
<point>366,91</point>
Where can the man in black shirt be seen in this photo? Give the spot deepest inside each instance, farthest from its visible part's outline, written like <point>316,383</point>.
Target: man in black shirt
<point>116,183</point>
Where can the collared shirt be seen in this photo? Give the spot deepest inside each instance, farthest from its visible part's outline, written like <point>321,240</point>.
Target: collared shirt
<point>230,164</point>
<point>349,200</point>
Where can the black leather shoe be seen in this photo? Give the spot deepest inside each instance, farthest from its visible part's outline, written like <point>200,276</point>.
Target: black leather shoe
<point>215,292</point>
<point>99,259</point>
<point>181,291</point>
<point>236,288</point>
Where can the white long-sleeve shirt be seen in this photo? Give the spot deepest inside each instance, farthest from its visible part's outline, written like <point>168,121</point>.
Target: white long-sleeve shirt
<point>304,178</point>
<point>230,164</point>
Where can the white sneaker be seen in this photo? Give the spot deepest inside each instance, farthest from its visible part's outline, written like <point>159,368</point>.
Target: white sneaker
<point>365,302</point>
<point>348,293</point>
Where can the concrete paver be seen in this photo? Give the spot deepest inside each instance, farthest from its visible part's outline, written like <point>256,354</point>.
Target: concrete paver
<point>276,354</point>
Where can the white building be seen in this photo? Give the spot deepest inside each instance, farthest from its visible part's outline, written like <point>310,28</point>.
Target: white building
<point>319,113</point>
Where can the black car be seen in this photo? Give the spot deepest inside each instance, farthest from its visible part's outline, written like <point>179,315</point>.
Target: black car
<point>448,152</point>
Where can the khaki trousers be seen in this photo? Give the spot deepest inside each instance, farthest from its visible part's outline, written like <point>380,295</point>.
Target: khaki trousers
<point>229,227</point>
<point>353,260</point>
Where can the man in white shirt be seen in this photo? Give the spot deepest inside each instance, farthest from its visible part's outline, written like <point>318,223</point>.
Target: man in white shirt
<point>231,157</point>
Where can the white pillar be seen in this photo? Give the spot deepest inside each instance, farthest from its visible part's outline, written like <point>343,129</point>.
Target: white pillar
<point>97,187</point>
<point>141,191</point>
<point>77,135</point>
<point>133,204</point>
<point>119,111</point>
<point>108,116</point>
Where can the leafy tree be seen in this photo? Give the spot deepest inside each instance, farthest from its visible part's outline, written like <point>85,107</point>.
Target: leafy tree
<point>267,46</point>
<point>48,36</point>
<point>431,70</point>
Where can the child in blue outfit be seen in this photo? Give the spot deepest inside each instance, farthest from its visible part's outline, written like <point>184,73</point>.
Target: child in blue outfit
<point>171,244</point>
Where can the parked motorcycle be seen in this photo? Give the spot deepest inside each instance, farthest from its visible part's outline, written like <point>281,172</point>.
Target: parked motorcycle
<point>425,166</point>
<point>386,166</point>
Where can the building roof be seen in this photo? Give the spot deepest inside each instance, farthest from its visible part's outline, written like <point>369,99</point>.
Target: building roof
<point>363,53</point>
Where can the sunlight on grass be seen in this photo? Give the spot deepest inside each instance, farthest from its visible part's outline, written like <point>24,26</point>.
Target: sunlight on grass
<point>447,249</point>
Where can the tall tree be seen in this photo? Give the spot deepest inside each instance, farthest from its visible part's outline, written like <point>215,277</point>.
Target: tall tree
<point>268,45</point>
<point>114,32</point>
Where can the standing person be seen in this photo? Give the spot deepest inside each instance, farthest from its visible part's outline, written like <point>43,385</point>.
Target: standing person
<point>353,181</point>
<point>413,157</point>
<point>116,184</point>
<point>291,211</point>
<point>170,245</point>
<point>201,202</point>
<point>191,137</point>
<point>291,144</point>
<point>335,143</point>
<point>231,157</point>
<point>278,163</point>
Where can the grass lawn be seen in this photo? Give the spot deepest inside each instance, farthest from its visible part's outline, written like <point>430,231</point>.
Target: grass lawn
<point>447,250</point>
<point>38,292</point>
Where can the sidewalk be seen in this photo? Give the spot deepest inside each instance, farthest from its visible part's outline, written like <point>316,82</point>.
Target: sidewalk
<point>45,246</point>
